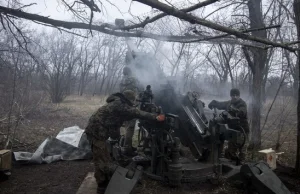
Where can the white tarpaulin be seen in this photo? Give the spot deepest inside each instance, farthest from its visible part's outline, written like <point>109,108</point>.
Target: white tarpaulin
<point>70,144</point>
<point>70,135</point>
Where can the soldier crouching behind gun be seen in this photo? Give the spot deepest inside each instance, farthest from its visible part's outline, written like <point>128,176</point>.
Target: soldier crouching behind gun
<point>237,108</point>
<point>105,123</point>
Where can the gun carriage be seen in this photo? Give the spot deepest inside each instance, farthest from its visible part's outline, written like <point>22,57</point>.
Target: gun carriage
<point>160,146</point>
<point>161,143</point>
<point>160,156</point>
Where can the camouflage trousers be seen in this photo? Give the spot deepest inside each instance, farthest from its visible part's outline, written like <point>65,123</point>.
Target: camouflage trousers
<point>232,152</point>
<point>129,132</point>
<point>104,168</point>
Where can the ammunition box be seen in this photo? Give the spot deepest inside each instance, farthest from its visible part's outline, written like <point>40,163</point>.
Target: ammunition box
<point>5,160</point>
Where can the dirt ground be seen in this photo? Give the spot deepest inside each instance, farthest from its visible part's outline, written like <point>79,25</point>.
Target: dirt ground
<point>58,177</point>
<point>66,176</point>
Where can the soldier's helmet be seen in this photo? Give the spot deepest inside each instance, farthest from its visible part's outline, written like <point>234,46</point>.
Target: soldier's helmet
<point>129,94</point>
<point>234,92</point>
<point>126,71</point>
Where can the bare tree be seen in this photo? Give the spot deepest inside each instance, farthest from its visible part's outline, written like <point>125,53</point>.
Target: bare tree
<point>86,62</point>
<point>178,56</point>
<point>221,57</point>
<point>59,67</point>
<point>7,13</point>
<point>191,62</point>
<point>116,57</point>
<point>297,19</point>
<point>72,60</point>
<point>99,64</point>
<point>289,34</point>
<point>18,90</point>
<point>257,63</point>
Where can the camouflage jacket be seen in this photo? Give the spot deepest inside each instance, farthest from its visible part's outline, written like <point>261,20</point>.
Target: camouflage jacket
<point>129,83</point>
<point>108,119</point>
<point>241,106</point>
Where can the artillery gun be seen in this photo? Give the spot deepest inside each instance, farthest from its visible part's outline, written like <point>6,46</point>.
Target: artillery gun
<point>186,125</point>
<point>159,155</point>
<point>160,142</point>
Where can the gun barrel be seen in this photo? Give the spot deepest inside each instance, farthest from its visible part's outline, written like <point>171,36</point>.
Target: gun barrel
<point>195,119</point>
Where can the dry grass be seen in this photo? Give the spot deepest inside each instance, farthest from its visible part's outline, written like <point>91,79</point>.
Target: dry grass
<point>51,118</point>
<point>280,130</point>
<point>82,105</point>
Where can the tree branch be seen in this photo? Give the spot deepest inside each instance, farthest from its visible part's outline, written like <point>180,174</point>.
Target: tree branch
<point>100,28</point>
<point>159,16</point>
<point>110,29</point>
<point>195,20</point>
<point>243,31</point>
<point>248,59</point>
<point>91,4</point>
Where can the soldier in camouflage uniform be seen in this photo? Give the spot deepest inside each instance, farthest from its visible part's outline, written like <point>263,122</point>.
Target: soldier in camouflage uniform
<point>129,83</point>
<point>238,108</point>
<point>147,95</point>
<point>105,123</point>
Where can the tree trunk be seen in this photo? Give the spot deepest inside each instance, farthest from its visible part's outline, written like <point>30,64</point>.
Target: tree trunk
<point>107,89</point>
<point>82,84</point>
<point>296,82</point>
<point>258,66</point>
<point>297,21</point>
<point>250,80</point>
<point>233,85</point>
<point>263,89</point>
<point>256,108</point>
<point>102,84</point>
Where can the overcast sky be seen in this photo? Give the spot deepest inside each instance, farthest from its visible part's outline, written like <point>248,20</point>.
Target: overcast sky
<point>56,10</point>
<point>122,9</point>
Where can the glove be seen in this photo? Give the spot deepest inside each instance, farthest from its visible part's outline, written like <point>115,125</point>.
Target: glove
<point>212,104</point>
<point>161,117</point>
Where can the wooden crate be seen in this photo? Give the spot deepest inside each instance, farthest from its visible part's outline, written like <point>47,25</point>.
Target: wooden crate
<point>5,160</point>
